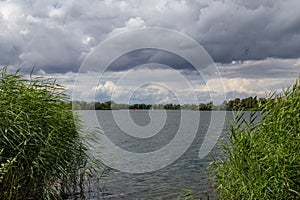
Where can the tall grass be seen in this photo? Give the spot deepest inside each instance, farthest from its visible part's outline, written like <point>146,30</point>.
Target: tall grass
<point>41,152</point>
<point>262,159</point>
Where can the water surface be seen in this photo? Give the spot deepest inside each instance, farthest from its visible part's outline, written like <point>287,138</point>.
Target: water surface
<point>187,172</point>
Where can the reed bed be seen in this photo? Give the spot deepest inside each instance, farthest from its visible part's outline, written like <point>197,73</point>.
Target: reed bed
<point>261,158</point>
<point>41,153</point>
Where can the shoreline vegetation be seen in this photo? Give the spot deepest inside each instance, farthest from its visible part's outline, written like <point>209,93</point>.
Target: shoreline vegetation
<point>261,158</point>
<point>234,104</point>
<point>42,155</point>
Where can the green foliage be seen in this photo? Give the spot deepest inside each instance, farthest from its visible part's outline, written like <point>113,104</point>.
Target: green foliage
<point>41,153</point>
<point>207,106</point>
<point>244,104</point>
<point>171,106</point>
<point>261,159</point>
<point>140,106</point>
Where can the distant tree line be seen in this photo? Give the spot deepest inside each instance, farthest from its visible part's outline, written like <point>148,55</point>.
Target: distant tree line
<point>234,104</point>
<point>140,106</point>
<point>245,104</point>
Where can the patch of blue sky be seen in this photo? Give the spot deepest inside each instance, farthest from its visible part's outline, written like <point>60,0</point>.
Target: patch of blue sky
<point>57,5</point>
<point>202,82</point>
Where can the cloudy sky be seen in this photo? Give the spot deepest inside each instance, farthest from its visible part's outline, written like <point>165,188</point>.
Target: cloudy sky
<point>254,44</point>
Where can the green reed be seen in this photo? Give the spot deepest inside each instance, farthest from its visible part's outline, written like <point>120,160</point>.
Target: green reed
<point>262,158</point>
<point>41,153</point>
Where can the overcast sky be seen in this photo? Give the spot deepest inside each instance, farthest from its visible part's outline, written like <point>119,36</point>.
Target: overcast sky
<point>255,44</point>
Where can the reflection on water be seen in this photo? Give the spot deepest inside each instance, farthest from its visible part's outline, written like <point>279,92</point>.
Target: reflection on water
<point>187,172</point>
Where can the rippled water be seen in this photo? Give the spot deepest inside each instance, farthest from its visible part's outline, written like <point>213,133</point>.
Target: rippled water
<point>187,172</point>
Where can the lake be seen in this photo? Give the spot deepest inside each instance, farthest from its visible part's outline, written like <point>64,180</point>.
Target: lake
<point>186,172</point>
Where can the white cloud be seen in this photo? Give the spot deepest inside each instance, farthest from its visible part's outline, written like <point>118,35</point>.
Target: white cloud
<point>106,88</point>
<point>136,22</point>
<point>132,23</point>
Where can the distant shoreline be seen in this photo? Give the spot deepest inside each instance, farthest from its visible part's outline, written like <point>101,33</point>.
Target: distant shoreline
<point>245,104</point>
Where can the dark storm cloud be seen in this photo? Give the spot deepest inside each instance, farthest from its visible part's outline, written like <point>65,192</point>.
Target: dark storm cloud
<point>250,31</point>
<point>144,56</point>
<point>57,35</point>
<point>275,68</point>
